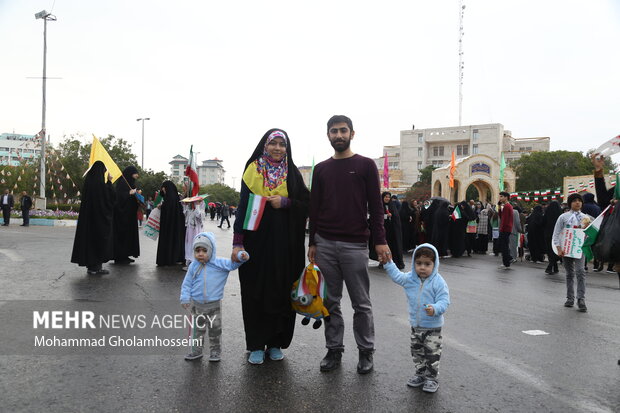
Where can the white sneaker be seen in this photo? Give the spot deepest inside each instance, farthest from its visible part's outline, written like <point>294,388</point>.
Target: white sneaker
<point>503,267</point>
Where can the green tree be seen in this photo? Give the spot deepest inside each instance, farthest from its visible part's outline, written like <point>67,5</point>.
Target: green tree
<point>540,170</point>
<point>426,174</point>
<point>150,182</point>
<point>419,191</point>
<point>220,193</point>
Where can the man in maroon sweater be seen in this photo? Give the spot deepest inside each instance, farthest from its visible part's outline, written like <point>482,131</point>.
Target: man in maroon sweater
<point>345,191</point>
<point>505,229</point>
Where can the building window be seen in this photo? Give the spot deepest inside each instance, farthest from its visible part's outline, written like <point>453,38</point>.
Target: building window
<point>474,149</point>
<point>462,150</point>
<point>419,165</point>
<point>420,150</point>
<point>437,150</point>
<point>420,137</point>
<point>475,135</point>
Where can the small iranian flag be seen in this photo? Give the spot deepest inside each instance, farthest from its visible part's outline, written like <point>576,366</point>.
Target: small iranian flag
<point>591,234</point>
<point>456,214</point>
<point>254,212</point>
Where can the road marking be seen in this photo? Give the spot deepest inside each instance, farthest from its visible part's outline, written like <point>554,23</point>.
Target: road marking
<point>535,332</point>
<point>12,255</point>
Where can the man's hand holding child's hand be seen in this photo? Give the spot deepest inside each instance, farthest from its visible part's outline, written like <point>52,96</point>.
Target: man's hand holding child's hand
<point>185,305</point>
<point>429,309</point>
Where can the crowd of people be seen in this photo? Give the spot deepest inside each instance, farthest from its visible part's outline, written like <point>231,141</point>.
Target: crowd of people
<point>349,220</point>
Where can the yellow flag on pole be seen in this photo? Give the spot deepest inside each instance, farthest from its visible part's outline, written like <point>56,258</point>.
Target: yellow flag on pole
<point>98,153</point>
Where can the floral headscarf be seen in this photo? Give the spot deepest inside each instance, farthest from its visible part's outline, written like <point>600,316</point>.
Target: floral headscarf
<point>274,172</point>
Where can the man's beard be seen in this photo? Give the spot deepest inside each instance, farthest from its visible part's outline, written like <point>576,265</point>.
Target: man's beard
<point>341,145</point>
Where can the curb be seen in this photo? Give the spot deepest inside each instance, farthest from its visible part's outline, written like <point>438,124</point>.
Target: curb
<point>45,222</point>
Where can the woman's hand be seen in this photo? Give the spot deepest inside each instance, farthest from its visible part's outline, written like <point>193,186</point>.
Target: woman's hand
<point>311,253</point>
<point>598,161</point>
<point>275,201</point>
<point>132,191</point>
<point>235,252</point>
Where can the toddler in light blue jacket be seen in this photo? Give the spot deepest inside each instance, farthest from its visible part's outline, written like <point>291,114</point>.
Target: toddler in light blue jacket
<point>202,292</point>
<point>428,297</point>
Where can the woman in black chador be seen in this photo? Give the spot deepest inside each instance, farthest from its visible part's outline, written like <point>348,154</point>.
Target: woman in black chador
<point>536,234</point>
<point>440,227</point>
<point>92,245</point>
<point>393,229</point>
<point>552,213</point>
<point>457,229</point>
<point>126,241</point>
<point>276,246</point>
<point>171,243</point>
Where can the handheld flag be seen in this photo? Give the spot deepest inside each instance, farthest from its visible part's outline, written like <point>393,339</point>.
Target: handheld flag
<point>592,233</point>
<point>452,170</point>
<point>502,166</point>
<point>98,153</point>
<point>456,214</point>
<point>190,172</point>
<point>254,212</point>
<point>386,172</point>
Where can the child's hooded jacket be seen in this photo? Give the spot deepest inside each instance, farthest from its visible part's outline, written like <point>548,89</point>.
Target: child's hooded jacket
<point>205,282</point>
<point>433,290</point>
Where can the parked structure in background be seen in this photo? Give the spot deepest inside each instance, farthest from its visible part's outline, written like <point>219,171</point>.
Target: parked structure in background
<point>433,146</point>
<point>15,147</point>
<point>210,172</point>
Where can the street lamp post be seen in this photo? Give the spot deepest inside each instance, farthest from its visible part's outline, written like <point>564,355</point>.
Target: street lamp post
<point>46,16</point>
<point>138,120</point>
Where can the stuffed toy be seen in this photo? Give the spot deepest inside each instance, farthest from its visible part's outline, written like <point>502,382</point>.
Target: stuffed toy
<point>308,294</point>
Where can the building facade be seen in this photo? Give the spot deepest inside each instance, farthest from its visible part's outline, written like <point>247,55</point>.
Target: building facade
<point>177,168</point>
<point>422,147</point>
<point>15,148</point>
<point>211,172</point>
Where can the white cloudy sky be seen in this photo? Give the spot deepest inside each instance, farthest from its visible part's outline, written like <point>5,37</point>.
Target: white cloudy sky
<point>219,74</point>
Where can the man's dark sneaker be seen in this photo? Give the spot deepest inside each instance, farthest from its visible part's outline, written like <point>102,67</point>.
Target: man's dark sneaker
<point>581,303</point>
<point>331,361</point>
<point>195,355</point>
<point>365,365</point>
<point>416,381</point>
<point>569,302</point>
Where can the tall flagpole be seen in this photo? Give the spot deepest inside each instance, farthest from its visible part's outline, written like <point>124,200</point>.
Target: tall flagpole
<point>461,62</point>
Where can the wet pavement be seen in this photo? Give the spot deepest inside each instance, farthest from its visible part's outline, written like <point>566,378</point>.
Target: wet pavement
<point>488,363</point>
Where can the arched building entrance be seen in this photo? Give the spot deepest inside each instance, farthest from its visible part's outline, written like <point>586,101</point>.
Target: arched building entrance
<point>480,171</point>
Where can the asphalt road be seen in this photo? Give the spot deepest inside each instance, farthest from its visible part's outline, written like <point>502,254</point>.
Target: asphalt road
<point>488,363</point>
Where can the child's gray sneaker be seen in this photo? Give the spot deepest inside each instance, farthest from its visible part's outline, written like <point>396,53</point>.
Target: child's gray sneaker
<point>214,355</point>
<point>416,381</point>
<point>430,386</point>
<point>194,356</point>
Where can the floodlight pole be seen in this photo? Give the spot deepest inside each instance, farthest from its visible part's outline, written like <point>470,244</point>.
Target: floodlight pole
<point>46,17</point>
<point>138,120</point>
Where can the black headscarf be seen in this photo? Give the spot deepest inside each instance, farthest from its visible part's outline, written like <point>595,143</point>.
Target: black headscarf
<point>171,243</point>
<point>92,244</point>
<point>126,241</point>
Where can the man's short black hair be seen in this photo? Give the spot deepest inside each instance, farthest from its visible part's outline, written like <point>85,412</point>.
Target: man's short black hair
<point>339,119</point>
<point>504,193</point>
<point>424,252</point>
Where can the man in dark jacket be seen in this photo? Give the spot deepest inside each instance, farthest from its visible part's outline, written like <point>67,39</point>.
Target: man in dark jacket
<point>506,220</point>
<point>589,206</point>
<point>6,201</point>
<point>26,202</point>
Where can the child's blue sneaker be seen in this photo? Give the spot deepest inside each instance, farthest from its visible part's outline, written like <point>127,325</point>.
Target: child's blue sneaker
<point>256,357</point>
<point>275,354</point>
<point>416,381</point>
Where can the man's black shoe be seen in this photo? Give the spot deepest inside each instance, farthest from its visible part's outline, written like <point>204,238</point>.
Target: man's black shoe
<point>581,303</point>
<point>365,365</point>
<point>331,361</point>
<point>569,302</point>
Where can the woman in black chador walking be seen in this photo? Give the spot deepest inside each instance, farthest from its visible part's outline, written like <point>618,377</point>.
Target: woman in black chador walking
<point>126,241</point>
<point>92,245</point>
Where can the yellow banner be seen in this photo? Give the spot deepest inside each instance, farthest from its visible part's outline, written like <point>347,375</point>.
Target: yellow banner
<point>98,153</point>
